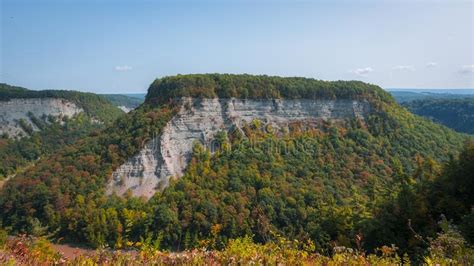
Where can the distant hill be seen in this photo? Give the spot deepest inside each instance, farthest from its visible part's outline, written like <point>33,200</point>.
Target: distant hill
<point>125,100</point>
<point>452,108</point>
<point>36,123</point>
<point>456,113</point>
<point>140,96</point>
<point>403,96</point>
<point>94,105</point>
<point>461,91</point>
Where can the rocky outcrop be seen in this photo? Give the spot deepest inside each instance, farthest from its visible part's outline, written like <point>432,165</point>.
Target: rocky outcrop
<point>14,111</point>
<point>200,120</point>
<point>125,108</point>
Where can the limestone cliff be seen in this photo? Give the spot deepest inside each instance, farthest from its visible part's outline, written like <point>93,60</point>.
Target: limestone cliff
<point>13,111</point>
<point>200,120</point>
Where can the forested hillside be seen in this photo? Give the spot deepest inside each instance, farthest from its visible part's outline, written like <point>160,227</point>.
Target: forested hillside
<point>457,114</point>
<point>355,184</point>
<point>453,109</point>
<point>53,133</point>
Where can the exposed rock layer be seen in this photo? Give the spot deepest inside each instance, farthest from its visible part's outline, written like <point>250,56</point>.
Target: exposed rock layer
<point>14,110</point>
<point>201,119</point>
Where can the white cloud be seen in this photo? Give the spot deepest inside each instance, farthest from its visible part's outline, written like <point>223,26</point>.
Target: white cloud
<point>404,68</point>
<point>431,64</point>
<point>363,72</point>
<point>467,69</point>
<point>123,68</point>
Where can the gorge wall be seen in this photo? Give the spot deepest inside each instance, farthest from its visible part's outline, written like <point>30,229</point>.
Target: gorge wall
<point>15,110</point>
<point>200,120</point>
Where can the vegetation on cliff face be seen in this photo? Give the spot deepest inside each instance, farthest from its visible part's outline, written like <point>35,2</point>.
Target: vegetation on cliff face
<point>333,185</point>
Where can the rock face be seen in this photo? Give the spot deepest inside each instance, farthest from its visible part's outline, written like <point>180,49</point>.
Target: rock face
<point>16,110</point>
<point>200,120</point>
<point>125,108</point>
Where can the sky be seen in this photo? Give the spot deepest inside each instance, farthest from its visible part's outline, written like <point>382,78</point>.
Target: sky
<point>119,46</point>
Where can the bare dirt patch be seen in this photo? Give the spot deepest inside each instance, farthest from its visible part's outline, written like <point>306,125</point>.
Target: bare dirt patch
<point>71,252</point>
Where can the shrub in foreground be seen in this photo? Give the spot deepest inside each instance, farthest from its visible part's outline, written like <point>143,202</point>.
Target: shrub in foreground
<point>243,251</point>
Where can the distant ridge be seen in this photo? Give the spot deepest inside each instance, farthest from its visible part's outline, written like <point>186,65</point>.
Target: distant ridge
<point>434,91</point>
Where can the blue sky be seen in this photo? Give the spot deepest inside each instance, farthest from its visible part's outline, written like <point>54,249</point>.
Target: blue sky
<point>121,46</point>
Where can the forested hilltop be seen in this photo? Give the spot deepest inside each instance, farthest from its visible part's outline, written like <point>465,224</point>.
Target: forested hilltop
<point>53,133</point>
<point>360,184</point>
<point>259,87</point>
<point>94,105</point>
